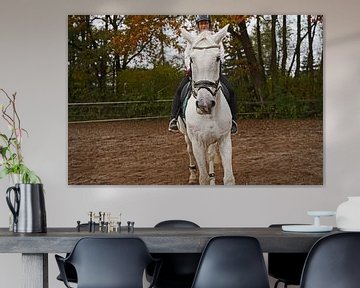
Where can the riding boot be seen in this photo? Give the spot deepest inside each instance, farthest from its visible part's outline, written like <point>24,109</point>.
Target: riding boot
<point>176,105</point>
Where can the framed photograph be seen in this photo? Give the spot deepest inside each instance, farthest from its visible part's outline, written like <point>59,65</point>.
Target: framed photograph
<point>195,99</point>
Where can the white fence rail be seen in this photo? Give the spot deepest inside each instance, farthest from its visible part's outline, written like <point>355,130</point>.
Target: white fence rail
<point>118,103</point>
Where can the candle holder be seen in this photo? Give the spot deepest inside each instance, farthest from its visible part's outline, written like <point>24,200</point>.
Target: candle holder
<point>315,227</point>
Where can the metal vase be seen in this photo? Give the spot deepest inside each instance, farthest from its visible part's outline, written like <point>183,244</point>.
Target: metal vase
<point>27,204</point>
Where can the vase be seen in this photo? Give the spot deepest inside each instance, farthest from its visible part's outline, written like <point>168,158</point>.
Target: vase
<point>348,214</point>
<point>27,205</point>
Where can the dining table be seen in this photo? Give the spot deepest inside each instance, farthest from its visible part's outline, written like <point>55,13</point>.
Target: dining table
<point>35,247</point>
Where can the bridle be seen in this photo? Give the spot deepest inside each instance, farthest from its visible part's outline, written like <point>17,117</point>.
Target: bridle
<point>205,84</point>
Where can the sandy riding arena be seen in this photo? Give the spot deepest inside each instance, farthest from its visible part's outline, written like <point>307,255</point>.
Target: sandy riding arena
<point>143,152</point>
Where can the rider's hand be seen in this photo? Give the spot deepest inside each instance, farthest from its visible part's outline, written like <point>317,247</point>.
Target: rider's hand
<point>188,72</point>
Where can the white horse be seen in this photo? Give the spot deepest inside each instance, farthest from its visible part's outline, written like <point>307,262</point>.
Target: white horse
<point>207,126</point>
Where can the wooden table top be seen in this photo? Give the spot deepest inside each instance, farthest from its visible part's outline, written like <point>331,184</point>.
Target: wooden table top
<point>158,240</point>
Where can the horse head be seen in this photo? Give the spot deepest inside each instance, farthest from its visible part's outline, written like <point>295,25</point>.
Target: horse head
<point>205,65</point>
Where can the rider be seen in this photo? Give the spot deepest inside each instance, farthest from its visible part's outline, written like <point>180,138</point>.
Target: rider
<point>203,23</point>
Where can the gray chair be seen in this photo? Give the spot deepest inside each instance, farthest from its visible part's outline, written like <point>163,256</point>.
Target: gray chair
<point>69,269</point>
<point>108,263</point>
<point>178,269</point>
<point>232,262</point>
<point>333,262</point>
<point>286,267</point>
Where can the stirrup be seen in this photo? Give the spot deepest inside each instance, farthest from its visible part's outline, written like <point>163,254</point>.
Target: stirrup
<point>234,127</point>
<point>173,125</point>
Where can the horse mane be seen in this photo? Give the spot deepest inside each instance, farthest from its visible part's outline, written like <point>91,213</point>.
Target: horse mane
<point>204,39</point>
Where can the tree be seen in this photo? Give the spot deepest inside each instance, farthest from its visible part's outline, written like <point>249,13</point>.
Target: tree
<point>259,44</point>
<point>310,56</point>
<point>297,49</point>
<point>255,70</point>
<point>273,61</point>
<point>284,45</point>
<point>88,58</point>
<point>101,46</point>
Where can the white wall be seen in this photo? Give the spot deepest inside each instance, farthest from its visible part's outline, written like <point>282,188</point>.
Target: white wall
<point>33,62</point>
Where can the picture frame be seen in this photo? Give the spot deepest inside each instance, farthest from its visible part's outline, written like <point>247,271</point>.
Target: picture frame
<point>124,71</point>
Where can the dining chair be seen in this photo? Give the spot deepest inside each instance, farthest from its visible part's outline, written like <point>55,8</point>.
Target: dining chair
<point>69,269</point>
<point>108,263</point>
<point>285,267</point>
<point>231,262</point>
<point>177,269</point>
<point>333,262</point>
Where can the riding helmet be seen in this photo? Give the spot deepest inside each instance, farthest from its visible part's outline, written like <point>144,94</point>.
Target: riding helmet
<point>202,18</point>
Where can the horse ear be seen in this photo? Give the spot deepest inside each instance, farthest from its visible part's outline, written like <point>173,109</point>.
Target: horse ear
<point>218,36</point>
<point>188,37</point>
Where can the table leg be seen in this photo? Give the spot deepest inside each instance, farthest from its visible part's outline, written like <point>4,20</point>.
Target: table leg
<point>35,270</point>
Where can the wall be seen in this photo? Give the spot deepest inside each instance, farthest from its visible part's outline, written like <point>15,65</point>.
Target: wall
<point>33,62</point>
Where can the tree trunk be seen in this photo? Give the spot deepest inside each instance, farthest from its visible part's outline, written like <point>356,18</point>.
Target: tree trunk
<point>259,46</point>
<point>297,48</point>
<point>284,45</point>
<point>273,60</point>
<point>310,60</point>
<point>254,68</point>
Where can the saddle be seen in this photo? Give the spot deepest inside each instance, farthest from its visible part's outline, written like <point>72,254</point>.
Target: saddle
<point>186,93</point>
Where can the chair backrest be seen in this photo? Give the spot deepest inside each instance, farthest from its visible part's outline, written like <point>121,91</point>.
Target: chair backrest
<point>110,262</point>
<point>176,224</point>
<point>232,262</point>
<point>333,262</point>
<point>178,269</point>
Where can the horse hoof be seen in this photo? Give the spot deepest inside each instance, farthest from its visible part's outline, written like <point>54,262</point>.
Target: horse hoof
<point>192,182</point>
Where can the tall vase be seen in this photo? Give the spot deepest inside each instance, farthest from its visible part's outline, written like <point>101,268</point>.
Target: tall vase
<point>348,214</point>
<point>27,204</point>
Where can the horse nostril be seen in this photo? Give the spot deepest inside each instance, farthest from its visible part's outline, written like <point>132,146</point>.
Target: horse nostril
<point>212,103</point>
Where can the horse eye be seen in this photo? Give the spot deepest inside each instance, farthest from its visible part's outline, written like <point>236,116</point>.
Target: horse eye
<point>217,58</point>
<point>191,60</point>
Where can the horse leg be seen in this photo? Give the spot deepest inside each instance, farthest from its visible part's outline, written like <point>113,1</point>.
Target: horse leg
<point>225,149</point>
<point>192,162</point>
<point>200,156</point>
<point>211,161</point>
